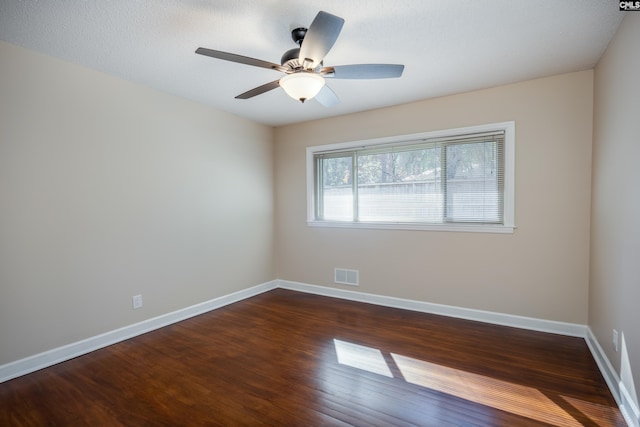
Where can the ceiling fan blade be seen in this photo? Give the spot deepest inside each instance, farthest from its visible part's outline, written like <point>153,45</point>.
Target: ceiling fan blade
<point>240,59</point>
<point>259,90</point>
<point>326,97</point>
<point>320,38</point>
<point>363,71</point>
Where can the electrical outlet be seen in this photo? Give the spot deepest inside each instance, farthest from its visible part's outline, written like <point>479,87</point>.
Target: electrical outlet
<point>137,302</point>
<point>615,340</point>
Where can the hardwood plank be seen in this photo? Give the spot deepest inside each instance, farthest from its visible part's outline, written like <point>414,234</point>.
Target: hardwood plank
<point>293,359</point>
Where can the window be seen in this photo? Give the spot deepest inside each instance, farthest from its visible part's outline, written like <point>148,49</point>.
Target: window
<point>460,179</point>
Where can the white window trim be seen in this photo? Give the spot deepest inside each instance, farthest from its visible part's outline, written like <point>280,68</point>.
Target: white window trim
<point>509,129</point>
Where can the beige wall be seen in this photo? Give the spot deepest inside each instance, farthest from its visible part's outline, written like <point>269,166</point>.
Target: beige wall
<point>540,271</point>
<point>615,250</point>
<point>109,189</point>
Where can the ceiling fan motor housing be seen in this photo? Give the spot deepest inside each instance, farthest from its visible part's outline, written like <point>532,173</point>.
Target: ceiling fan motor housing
<point>297,34</point>
<point>290,58</point>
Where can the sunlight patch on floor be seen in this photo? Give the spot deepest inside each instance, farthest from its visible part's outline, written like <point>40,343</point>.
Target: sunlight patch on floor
<point>601,415</point>
<point>514,398</point>
<point>506,396</point>
<point>362,357</point>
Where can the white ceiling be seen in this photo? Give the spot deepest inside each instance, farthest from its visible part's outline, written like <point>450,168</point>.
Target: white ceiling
<point>446,46</point>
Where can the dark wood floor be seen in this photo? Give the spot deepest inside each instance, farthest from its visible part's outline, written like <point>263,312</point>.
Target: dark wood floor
<point>285,358</point>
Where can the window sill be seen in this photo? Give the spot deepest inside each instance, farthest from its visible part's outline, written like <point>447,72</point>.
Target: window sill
<point>464,228</point>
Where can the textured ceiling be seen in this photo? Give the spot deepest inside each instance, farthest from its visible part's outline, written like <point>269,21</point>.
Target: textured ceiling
<point>446,46</point>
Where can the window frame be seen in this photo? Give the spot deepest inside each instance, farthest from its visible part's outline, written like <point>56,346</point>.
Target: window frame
<point>508,225</point>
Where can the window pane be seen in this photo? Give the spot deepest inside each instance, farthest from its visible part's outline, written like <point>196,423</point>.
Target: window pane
<point>337,191</point>
<point>473,183</point>
<point>427,181</point>
<point>400,186</point>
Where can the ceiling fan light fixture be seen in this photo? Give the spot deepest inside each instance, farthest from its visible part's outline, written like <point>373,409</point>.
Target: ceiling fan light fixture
<point>302,85</point>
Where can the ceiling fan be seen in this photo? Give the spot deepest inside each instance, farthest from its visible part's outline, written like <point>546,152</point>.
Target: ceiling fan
<point>303,66</point>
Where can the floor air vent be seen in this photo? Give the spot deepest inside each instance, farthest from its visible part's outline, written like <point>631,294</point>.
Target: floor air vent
<point>346,277</point>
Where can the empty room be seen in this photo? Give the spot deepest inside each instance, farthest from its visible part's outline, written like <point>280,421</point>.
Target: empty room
<point>288,213</point>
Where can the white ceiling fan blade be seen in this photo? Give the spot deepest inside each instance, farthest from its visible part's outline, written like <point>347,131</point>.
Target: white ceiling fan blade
<point>320,38</point>
<point>259,90</point>
<point>363,71</point>
<point>240,59</point>
<point>326,97</point>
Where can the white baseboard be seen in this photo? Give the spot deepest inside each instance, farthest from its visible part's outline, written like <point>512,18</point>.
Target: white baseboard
<point>39,361</point>
<point>541,325</point>
<point>606,368</point>
<point>628,407</point>
<point>48,358</point>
